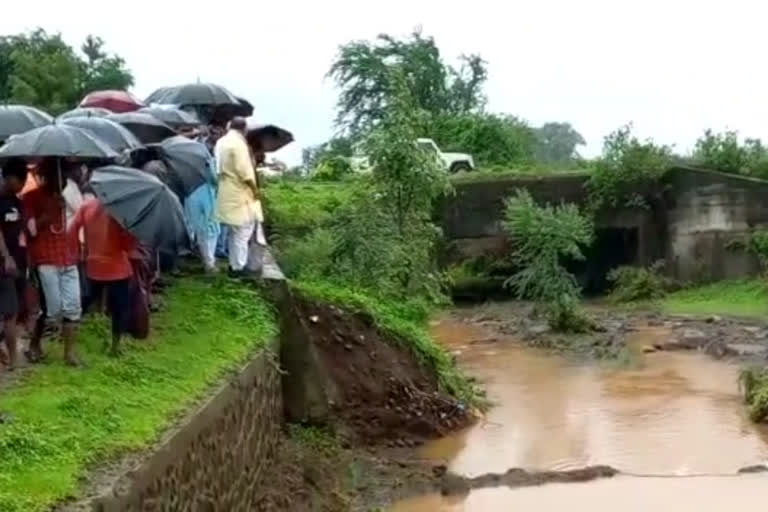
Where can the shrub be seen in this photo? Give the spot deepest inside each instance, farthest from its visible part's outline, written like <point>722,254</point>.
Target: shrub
<point>753,383</point>
<point>333,168</point>
<point>724,152</point>
<point>758,245</point>
<point>639,283</point>
<point>629,172</point>
<point>542,237</point>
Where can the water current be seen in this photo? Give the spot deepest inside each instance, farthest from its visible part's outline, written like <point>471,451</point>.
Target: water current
<point>674,420</point>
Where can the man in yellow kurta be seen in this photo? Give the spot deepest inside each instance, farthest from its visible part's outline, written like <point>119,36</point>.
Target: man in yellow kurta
<point>238,203</point>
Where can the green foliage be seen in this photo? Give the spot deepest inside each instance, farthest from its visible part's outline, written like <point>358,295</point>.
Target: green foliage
<point>557,143</point>
<point>739,298</point>
<point>336,147</point>
<point>493,140</point>
<point>758,245</point>
<point>296,208</point>
<point>364,72</point>
<point>41,70</point>
<point>543,237</point>
<point>64,421</point>
<point>753,383</point>
<point>320,440</point>
<point>632,284</point>
<point>405,319</point>
<point>724,152</point>
<point>332,168</point>
<point>629,172</point>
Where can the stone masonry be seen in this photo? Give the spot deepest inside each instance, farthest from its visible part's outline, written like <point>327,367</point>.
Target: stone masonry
<point>218,459</point>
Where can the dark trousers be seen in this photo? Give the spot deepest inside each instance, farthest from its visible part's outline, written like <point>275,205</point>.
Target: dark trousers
<point>118,301</point>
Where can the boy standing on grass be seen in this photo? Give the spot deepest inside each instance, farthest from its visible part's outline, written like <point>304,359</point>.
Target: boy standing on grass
<point>13,270</point>
<point>108,247</point>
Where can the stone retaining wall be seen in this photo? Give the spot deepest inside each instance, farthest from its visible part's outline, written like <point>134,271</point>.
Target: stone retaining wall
<point>216,460</point>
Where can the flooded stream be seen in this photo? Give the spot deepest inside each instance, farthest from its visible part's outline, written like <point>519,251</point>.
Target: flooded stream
<point>666,413</point>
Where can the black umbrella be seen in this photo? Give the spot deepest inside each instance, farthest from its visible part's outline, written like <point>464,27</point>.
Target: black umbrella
<point>116,135</point>
<point>85,112</point>
<point>173,117</point>
<point>199,94</point>
<point>268,137</point>
<point>187,163</point>
<point>148,129</point>
<point>57,140</point>
<point>15,119</point>
<point>143,205</point>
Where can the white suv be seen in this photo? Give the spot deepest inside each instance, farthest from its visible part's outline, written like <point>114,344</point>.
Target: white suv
<point>453,162</point>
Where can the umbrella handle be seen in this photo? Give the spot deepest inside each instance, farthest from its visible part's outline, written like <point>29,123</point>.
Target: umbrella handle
<point>63,210</point>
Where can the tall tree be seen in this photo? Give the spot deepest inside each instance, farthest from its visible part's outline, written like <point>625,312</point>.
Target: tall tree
<point>557,142</point>
<point>363,70</point>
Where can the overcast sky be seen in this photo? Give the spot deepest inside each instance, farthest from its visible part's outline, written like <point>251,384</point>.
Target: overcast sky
<point>672,67</point>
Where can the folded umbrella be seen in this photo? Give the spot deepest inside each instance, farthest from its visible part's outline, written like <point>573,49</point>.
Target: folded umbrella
<point>57,140</point>
<point>173,117</point>
<point>148,129</point>
<point>15,119</point>
<point>187,163</point>
<point>116,135</point>
<point>114,101</point>
<point>268,138</point>
<point>143,205</point>
<point>85,112</point>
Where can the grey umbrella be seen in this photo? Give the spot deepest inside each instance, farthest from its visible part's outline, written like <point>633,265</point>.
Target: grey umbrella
<point>148,129</point>
<point>57,140</point>
<point>173,117</point>
<point>143,205</point>
<point>187,163</point>
<point>199,94</point>
<point>268,137</point>
<point>116,135</point>
<point>15,119</point>
<point>85,112</point>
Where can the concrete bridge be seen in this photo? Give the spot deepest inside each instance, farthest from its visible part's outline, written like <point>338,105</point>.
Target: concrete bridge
<point>699,229</point>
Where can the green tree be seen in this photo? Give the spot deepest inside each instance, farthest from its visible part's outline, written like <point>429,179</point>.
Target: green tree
<point>40,69</point>
<point>363,71</point>
<point>543,237</point>
<point>629,172</point>
<point>493,140</point>
<point>101,70</point>
<point>385,236</point>
<point>723,152</point>
<point>557,142</point>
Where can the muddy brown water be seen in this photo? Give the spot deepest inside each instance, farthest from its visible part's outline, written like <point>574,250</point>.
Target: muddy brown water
<point>666,414</point>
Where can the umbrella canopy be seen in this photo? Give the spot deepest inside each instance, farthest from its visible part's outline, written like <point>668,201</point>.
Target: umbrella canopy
<point>57,140</point>
<point>85,112</point>
<point>187,162</point>
<point>15,119</point>
<point>199,94</point>
<point>268,137</point>
<point>116,135</point>
<point>143,205</point>
<point>173,117</point>
<point>148,129</point>
<point>114,101</point>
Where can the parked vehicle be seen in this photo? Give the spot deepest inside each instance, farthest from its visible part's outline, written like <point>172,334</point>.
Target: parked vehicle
<point>453,162</point>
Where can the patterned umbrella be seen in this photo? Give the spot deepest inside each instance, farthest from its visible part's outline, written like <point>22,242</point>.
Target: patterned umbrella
<point>15,119</point>
<point>114,101</point>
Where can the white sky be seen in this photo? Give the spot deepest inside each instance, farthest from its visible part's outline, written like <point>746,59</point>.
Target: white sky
<point>672,67</point>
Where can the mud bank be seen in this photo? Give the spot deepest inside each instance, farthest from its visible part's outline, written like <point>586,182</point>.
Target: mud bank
<point>744,340</point>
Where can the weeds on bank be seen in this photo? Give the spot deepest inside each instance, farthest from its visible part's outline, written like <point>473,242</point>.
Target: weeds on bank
<point>738,298</point>
<point>60,422</point>
<point>753,383</point>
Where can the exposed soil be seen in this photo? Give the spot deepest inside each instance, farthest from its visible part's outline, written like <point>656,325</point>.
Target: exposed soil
<point>384,396</point>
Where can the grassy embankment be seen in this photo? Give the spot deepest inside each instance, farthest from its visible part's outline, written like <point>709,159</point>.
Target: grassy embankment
<point>60,422</point>
<point>747,298</point>
<point>298,213</point>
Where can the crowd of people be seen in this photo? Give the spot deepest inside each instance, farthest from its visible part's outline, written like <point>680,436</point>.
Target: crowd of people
<point>63,254</point>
